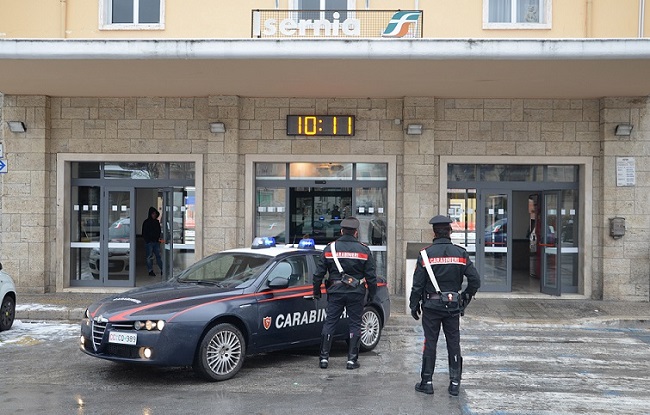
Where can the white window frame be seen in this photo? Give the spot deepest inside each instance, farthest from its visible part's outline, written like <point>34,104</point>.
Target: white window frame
<point>352,5</point>
<point>105,17</point>
<point>546,23</point>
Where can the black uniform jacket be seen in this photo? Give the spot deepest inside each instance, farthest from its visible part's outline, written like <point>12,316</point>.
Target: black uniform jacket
<point>356,260</point>
<point>449,263</point>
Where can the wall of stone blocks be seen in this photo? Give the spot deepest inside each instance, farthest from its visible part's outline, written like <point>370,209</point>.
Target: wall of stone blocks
<point>625,261</point>
<point>26,245</point>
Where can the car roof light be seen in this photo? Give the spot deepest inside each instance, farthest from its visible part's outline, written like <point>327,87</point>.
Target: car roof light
<point>263,242</point>
<point>307,243</point>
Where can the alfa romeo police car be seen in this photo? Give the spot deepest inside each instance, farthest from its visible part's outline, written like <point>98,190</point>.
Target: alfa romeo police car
<point>227,306</point>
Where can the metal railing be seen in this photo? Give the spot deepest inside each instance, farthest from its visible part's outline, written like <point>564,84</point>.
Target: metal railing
<point>329,24</point>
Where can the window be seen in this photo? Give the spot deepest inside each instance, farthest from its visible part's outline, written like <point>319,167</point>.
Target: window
<point>517,14</point>
<point>132,14</point>
<point>323,9</point>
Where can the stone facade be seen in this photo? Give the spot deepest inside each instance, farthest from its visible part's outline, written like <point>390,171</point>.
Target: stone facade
<point>523,128</point>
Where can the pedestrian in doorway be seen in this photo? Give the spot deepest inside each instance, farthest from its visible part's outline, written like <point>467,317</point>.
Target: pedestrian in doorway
<point>436,295</point>
<point>351,267</point>
<point>151,233</point>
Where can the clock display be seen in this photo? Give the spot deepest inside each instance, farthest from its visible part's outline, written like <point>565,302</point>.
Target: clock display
<point>311,125</point>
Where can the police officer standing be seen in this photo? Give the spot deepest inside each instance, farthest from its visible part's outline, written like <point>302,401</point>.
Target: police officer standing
<point>345,287</point>
<point>435,295</point>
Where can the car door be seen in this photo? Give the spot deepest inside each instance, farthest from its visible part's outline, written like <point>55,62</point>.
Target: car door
<point>287,312</point>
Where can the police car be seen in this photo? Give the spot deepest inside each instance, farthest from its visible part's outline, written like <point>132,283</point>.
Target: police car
<point>225,307</point>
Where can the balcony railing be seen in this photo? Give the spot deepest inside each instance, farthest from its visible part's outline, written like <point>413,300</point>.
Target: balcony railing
<point>276,23</point>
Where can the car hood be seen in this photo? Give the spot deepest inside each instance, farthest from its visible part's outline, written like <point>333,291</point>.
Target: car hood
<point>158,301</point>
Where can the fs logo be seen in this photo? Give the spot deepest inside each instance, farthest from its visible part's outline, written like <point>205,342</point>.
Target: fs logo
<point>400,23</point>
<point>267,322</point>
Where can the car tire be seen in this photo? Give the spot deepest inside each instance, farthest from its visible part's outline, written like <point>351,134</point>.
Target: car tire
<point>7,313</point>
<point>221,353</point>
<point>370,329</point>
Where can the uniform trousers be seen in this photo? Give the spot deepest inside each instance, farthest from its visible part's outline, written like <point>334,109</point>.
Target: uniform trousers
<point>431,322</point>
<point>336,302</point>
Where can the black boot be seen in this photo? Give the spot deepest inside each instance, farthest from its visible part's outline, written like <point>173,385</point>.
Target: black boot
<point>353,352</point>
<point>455,372</point>
<point>426,384</point>
<point>325,345</point>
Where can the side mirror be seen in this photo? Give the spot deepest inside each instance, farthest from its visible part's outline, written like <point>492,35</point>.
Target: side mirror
<point>278,283</point>
<point>0,266</point>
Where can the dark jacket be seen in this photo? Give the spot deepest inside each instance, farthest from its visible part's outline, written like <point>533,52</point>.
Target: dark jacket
<point>356,260</point>
<point>449,263</point>
<point>151,227</point>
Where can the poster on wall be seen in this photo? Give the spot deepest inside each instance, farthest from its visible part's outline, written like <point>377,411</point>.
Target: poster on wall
<point>625,171</point>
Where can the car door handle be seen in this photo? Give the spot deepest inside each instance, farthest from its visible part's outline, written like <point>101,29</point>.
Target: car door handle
<point>244,305</point>
<point>308,297</point>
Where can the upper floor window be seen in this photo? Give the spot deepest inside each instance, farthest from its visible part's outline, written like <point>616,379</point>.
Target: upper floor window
<point>132,14</point>
<point>517,14</point>
<point>323,9</point>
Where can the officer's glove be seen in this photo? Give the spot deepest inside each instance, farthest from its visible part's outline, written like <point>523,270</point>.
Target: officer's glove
<point>316,292</point>
<point>467,297</point>
<point>415,312</point>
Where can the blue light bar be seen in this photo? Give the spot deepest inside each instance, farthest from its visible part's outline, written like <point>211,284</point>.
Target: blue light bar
<point>306,244</point>
<point>263,242</point>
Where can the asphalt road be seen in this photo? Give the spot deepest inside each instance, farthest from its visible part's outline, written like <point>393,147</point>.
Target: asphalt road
<point>510,368</point>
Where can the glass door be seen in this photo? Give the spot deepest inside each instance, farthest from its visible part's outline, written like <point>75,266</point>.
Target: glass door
<point>178,230</point>
<point>548,243</point>
<point>493,244</point>
<point>317,213</point>
<point>116,259</point>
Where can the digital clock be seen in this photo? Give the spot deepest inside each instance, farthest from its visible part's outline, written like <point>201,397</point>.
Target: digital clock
<point>310,125</point>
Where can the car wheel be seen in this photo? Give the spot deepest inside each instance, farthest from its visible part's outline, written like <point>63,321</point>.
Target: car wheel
<point>370,329</point>
<point>221,353</point>
<point>7,313</point>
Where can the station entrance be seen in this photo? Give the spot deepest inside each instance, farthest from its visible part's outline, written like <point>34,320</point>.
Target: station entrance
<point>108,204</point>
<point>309,200</point>
<point>520,224</point>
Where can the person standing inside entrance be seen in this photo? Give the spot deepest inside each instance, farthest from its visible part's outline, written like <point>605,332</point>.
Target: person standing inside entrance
<point>437,280</point>
<point>351,267</point>
<point>151,233</point>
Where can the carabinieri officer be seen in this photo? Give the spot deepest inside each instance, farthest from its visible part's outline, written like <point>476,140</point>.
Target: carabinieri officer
<point>441,303</point>
<point>345,287</point>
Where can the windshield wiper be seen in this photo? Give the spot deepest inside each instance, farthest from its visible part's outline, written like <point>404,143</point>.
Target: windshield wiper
<point>201,282</point>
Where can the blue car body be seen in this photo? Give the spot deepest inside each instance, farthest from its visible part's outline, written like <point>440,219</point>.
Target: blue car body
<point>269,310</point>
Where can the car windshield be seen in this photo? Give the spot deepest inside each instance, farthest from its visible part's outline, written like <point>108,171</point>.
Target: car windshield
<point>226,269</point>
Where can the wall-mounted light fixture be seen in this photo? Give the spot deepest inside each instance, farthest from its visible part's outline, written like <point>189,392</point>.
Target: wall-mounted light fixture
<point>623,130</point>
<point>217,127</point>
<point>16,126</point>
<point>414,129</point>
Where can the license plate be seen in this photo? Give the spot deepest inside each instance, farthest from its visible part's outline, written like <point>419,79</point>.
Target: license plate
<point>123,338</point>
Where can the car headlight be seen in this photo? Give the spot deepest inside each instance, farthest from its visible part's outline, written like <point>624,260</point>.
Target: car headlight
<point>149,325</point>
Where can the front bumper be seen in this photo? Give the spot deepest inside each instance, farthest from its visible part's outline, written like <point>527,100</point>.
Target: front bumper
<point>174,345</point>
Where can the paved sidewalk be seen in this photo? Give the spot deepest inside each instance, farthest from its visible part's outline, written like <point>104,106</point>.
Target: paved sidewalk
<point>71,306</point>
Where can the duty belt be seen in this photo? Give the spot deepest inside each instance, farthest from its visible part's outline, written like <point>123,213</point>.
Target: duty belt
<point>335,282</point>
<point>432,296</point>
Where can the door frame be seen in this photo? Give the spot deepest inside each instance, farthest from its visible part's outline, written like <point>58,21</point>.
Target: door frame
<point>585,194</point>
<point>63,205</point>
